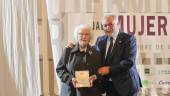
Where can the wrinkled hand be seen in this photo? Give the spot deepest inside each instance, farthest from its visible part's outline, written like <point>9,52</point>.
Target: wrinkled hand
<point>70,45</point>
<point>74,81</point>
<point>92,79</point>
<point>103,70</point>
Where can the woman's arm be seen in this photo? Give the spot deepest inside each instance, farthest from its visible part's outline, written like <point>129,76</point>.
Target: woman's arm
<point>61,69</point>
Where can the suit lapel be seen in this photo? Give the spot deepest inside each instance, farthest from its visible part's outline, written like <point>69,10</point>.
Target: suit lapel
<point>117,44</point>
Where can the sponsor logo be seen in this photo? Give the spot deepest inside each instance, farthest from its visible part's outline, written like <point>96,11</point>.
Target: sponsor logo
<point>164,72</point>
<point>163,82</point>
<point>145,83</point>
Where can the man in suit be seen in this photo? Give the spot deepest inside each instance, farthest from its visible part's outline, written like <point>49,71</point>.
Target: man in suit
<point>118,51</point>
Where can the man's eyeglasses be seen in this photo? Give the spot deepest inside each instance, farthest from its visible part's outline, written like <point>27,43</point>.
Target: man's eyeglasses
<point>109,24</point>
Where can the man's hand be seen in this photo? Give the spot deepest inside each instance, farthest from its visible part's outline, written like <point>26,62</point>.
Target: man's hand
<point>104,70</point>
<point>70,45</point>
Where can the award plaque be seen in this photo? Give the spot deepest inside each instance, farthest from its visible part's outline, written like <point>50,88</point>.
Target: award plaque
<point>82,78</point>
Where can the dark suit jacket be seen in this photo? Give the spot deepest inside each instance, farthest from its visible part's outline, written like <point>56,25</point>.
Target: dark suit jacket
<point>71,61</point>
<point>123,70</point>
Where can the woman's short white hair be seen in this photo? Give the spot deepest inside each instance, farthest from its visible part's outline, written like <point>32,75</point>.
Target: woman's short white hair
<point>116,21</point>
<point>80,27</point>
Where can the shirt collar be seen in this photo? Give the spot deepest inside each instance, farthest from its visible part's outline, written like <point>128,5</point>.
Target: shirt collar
<point>76,48</point>
<point>114,35</point>
<point>82,50</point>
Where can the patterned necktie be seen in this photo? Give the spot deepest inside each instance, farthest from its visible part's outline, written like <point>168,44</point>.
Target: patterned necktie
<point>109,51</point>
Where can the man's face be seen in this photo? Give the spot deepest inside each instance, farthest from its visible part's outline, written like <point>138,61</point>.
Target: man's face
<point>108,25</point>
<point>84,37</point>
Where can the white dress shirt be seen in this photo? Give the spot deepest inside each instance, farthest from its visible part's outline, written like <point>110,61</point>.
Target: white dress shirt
<point>114,35</point>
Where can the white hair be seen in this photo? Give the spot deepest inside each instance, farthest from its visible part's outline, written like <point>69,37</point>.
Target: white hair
<point>116,21</point>
<point>80,27</point>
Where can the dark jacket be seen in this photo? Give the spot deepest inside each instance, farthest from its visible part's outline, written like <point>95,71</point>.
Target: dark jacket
<point>123,70</point>
<point>73,60</point>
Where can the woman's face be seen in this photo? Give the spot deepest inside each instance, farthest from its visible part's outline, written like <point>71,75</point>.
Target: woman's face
<point>84,37</point>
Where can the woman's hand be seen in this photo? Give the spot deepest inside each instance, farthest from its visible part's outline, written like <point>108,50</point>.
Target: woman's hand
<point>92,79</point>
<point>74,81</point>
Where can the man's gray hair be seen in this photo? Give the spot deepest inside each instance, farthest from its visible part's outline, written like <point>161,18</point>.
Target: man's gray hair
<point>116,20</point>
<point>82,26</point>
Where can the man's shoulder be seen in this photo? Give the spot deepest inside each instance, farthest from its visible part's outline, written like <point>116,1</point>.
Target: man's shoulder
<point>125,35</point>
<point>93,49</point>
<point>101,37</point>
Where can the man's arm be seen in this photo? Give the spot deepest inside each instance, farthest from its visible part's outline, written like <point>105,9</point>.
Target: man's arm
<point>70,45</point>
<point>97,45</point>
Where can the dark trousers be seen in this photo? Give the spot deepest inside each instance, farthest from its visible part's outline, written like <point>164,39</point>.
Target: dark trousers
<point>110,89</point>
<point>92,91</point>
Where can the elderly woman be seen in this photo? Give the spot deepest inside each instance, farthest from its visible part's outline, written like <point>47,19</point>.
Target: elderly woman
<point>82,57</point>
